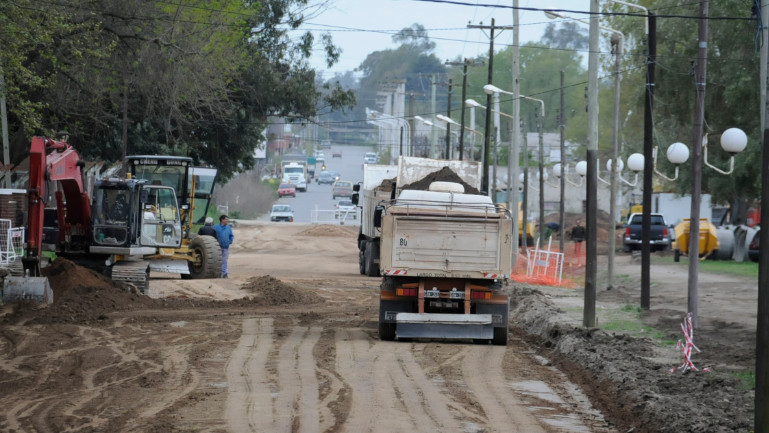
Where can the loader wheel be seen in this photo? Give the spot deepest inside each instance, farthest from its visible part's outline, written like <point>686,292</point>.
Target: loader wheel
<point>362,259</point>
<point>207,257</point>
<point>677,256</point>
<point>500,337</point>
<point>387,331</point>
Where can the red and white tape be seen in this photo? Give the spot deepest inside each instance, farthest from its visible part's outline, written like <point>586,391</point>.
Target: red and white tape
<point>687,347</point>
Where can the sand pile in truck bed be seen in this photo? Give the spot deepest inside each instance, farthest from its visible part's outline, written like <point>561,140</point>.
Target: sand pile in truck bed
<point>271,291</point>
<point>443,175</point>
<point>330,230</point>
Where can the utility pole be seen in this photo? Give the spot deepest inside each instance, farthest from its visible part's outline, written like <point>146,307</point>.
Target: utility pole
<point>561,216</point>
<point>648,166</point>
<point>699,118</point>
<point>525,207</point>
<point>591,265</point>
<point>487,129</point>
<point>515,137</point>
<point>465,64</point>
<point>448,125</point>
<point>125,129</point>
<point>433,131</point>
<point>401,152</point>
<point>613,181</point>
<point>541,184</point>
<point>4,115</point>
<point>762,329</point>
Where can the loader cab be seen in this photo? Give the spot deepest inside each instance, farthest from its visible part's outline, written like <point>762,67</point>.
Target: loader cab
<point>130,213</point>
<point>194,186</point>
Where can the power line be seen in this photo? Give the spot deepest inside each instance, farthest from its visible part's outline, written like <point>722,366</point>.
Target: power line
<point>627,14</point>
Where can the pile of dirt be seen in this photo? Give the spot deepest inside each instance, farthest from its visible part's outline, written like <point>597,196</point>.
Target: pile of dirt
<point>64,275</point>
<point>271,291</point>
<point>443,175</point>
<point>570,220</point>
<point>385,186</point>
<point>622,378</point>
<point>330,230</point>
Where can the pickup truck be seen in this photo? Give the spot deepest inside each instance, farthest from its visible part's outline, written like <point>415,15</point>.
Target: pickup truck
<point>660,234</point>
<point>342,188</point>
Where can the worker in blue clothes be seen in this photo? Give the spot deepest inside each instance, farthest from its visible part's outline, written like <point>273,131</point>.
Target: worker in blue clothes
<point>225,237</point>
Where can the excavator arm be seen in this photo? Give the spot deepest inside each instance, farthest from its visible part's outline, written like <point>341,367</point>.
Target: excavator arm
<point>55,161</point>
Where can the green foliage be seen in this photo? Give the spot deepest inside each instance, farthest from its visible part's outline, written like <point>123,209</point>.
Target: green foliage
<point>731,98</point>
<point>540,78</point>
<point>197,78</point>
<point>748,379</point>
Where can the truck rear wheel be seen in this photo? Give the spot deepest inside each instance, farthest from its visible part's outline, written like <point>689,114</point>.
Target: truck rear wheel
<point>371,254</point>
<point>500,337</point>
<point>387,331</point>
<point>362,258</point>
<point>207,258</point>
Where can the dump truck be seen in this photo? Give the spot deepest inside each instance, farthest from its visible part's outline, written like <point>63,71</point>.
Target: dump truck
<point>443,256</point>
<point>375,190</point>
<point>367,198</point>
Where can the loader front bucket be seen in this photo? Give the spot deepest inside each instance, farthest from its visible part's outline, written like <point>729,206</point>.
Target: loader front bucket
<point>18,288</point>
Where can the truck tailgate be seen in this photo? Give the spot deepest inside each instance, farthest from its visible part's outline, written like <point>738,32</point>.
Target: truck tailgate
<point>472,247</point>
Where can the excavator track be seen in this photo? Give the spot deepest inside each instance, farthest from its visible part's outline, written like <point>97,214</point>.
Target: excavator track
<point>136,274</point>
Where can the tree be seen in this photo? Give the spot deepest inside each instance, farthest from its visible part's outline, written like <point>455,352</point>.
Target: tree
<point>194,77</point>
<point>731,98</point>
<point>569,35</point>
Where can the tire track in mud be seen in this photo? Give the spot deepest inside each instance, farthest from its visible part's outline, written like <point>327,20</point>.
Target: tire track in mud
<point>289,385</point>
<point>504,411</point>
<point>425,400</point>
<point>309,416</point>
<point>378,403</point>
<point>249,404</point>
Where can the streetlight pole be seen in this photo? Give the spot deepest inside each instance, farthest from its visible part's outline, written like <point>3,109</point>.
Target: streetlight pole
<point>648,167</point>
<point>699,117</point>
<point>541,182</point>
<point>515,144</point>
<point>562,211</point>
<point>591,265</point>
<point>762,329</point>
<point>617,40</point>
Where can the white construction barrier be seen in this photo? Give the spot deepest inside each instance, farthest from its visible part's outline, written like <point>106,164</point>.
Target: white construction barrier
<point>545,264</point>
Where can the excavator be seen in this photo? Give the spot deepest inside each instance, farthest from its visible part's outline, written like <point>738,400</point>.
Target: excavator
<point>131,226</point>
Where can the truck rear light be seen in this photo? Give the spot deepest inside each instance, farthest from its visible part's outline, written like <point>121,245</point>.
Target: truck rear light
<point>406,292</point>
<point>477,294</point>
<point>627,231</point>
<point>665,232</point>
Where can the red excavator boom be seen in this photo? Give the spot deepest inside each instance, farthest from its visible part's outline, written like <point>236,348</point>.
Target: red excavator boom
<point>55,161</point>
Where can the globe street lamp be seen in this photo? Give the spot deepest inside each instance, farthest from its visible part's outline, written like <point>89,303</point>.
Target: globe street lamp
<point>677,153</point>
<point>451,121</point>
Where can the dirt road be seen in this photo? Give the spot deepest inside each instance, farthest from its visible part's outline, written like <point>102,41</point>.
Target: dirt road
<point>311,366</point>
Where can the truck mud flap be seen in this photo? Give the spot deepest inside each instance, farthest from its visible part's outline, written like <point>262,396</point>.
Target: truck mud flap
<point>452,326</point>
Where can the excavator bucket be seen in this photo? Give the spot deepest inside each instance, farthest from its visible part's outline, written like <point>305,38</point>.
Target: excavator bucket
<point>36,288</point>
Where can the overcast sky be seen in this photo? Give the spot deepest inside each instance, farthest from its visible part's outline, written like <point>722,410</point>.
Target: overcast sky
<point>397,14</point>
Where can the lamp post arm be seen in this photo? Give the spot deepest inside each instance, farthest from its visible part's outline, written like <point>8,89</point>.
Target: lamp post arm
<point>627,182</point>
<point>660,174</point>
<point>598,173</point>
<point>705,160</point>
<point>646,11</point>
<point>578,185</point>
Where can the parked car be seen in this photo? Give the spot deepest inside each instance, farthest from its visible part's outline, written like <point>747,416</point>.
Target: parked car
<point>282,212</point>
<point>326,177</point>
<point>342,188</point>
<point>336,154</point>
<point>660,234</point>
<point>370,158</point>
<point>286,190</point>
<point>755,246</point>
<point>345,209</point>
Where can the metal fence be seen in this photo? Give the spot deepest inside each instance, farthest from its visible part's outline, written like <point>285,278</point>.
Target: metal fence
<point>545,265</point>
<point>320,216</point>
<point>11,242</point>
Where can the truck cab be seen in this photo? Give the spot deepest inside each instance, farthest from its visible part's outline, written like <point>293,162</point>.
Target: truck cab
<point>295,174</point>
